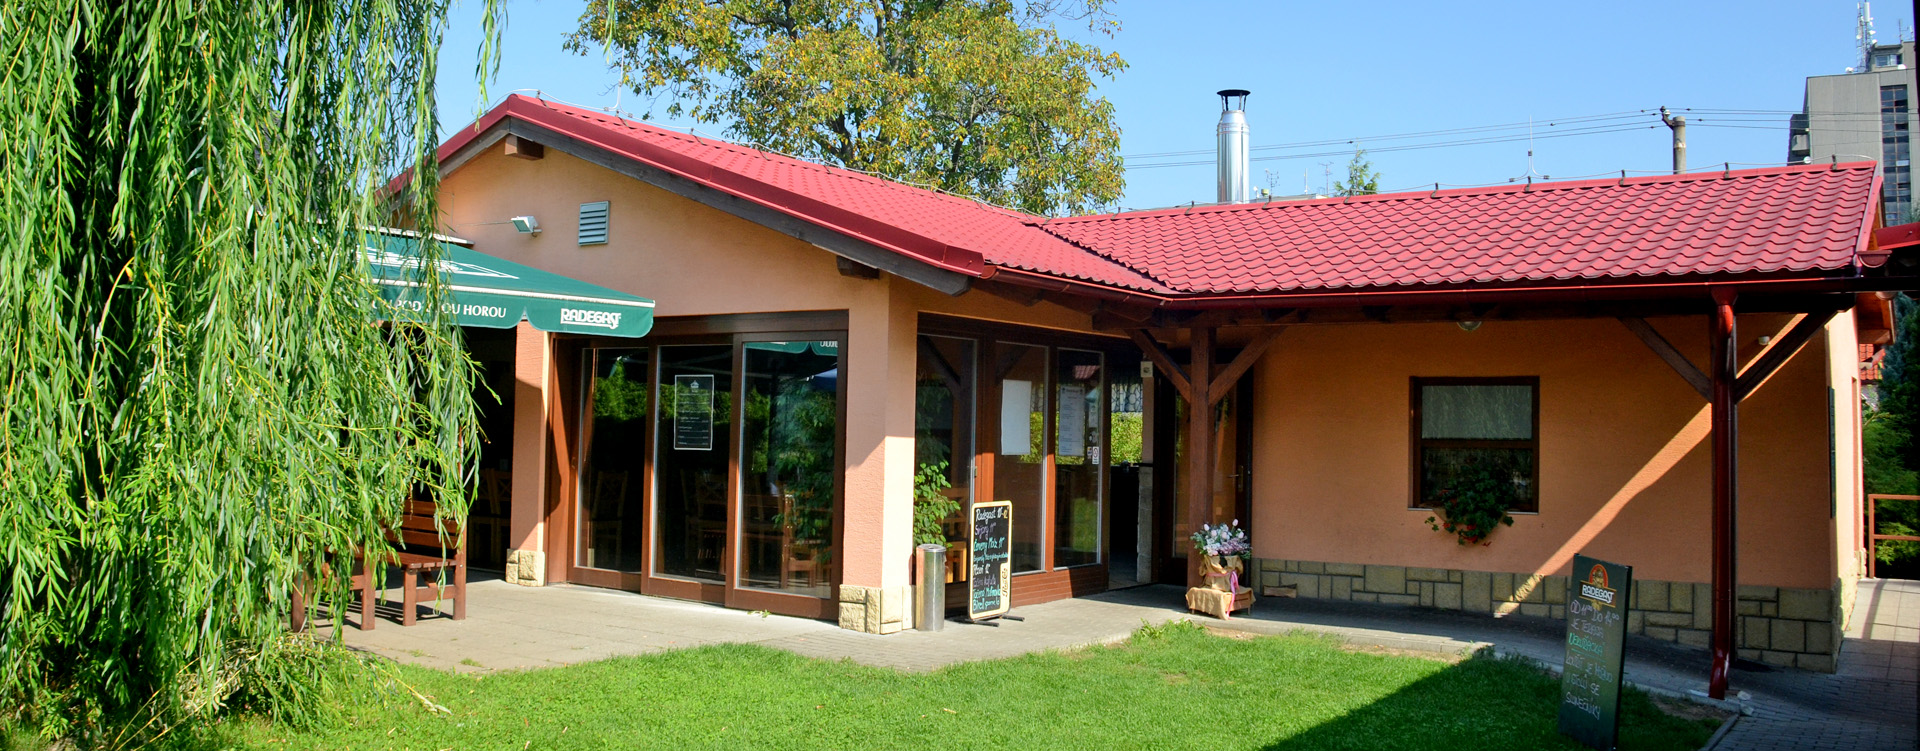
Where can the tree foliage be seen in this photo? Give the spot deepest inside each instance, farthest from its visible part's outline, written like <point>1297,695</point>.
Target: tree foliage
<point>1362,179</point>
<point>199,406</point>
<point>981,97</point>
<point>1900,382</point>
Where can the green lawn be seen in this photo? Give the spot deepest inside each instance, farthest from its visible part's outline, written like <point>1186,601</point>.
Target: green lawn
<point>1178,687</point>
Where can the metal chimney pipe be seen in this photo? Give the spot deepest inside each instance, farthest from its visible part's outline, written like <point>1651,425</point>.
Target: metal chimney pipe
<point>1679,126</point>
<point>1231,160</point>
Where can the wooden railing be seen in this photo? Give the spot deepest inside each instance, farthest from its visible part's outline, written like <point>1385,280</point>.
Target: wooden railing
<point>1874,538</point>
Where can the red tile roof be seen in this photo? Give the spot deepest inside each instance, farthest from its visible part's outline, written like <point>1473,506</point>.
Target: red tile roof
<point>1791,219</point>
<point>1786,222</point>
<point>947,231</point>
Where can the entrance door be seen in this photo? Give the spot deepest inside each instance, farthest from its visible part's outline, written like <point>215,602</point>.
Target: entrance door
<point>1232,478</point>
<point>610,549</point>
<point>692,481</point>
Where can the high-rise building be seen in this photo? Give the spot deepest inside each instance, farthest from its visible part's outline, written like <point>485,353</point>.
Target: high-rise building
<point>1863,114</point>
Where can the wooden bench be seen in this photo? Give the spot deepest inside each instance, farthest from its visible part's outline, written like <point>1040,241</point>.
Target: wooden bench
<point>417,531</point>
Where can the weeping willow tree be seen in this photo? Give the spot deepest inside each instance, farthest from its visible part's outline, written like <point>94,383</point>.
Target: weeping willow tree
<point>200,407</point>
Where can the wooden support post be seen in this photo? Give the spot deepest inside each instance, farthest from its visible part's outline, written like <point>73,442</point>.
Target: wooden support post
<point>1724,367</point>
<point>1199,442</point>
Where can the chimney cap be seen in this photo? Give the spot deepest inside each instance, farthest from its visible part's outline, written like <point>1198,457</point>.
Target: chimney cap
<point>1227,96</point>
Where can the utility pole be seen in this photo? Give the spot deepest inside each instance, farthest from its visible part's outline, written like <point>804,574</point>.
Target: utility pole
<point>1679,126</point>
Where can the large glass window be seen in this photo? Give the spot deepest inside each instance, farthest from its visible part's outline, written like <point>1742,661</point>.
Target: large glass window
<point>1078,456</point>
<point>1020,472</point>
<point>611,488</point>
<point>1896,187</point>
<point>789,464</point>
<point>1477,433</point>
<point>690,460</point>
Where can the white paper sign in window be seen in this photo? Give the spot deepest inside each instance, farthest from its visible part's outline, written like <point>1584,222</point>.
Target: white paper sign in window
<point>1073,420</point>
<point>1016,415</point>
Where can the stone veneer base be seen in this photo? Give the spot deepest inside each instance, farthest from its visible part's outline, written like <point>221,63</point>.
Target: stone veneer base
<point>527,568</point>
<point>1775,625</point>
<point>876,610</point>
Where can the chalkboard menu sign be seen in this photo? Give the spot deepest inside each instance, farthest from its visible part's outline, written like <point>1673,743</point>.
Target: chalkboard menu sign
<point>1597,597</point>
<point>990,566</point>
<point>693,412</point>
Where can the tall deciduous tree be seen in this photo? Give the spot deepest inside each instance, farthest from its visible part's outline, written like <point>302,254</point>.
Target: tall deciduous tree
<point>200,407</point>
<point>982,97</point>
<point>1362,179</point>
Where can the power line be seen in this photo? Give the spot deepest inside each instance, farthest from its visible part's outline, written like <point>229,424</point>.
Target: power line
<point>1491,139</point>
<point>1416,134</point>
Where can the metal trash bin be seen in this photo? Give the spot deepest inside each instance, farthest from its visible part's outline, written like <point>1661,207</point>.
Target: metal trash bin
<point>930,609</point>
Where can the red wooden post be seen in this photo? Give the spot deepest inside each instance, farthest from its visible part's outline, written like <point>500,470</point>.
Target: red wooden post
<point>1725,367</point>
<point>1199,444</point>
<point>1873,546</point>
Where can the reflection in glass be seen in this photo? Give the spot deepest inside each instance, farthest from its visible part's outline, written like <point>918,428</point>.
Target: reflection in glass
<point>1077,457</point>
<point>1019,474</point>
<point>1226,442</point>
<point>610,486</point>
<point>690,460</point>
<point>943,418</point>
<point>788,466</point>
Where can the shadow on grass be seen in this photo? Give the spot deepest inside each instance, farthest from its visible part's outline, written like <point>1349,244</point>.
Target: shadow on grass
<point>1455,708</point>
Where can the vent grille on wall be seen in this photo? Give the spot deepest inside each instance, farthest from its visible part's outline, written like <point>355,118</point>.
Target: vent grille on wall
<point>593,223</point>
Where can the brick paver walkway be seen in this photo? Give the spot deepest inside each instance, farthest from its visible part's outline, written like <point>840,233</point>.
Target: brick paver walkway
<point>1869,704</point>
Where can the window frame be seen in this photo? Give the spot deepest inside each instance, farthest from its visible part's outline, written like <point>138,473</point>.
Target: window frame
<point>1416,443</point>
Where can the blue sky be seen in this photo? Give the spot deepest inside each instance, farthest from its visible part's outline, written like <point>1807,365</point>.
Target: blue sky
<point>1332,71</point>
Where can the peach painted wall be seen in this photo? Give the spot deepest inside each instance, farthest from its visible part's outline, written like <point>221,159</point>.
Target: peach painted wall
<point>1624,466</point>
<point>695,260</point>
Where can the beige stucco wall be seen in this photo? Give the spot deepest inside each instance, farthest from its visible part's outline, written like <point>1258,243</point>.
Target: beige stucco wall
<point>1624,467</point>
<point>1843,377</point>
<point>694,260</point>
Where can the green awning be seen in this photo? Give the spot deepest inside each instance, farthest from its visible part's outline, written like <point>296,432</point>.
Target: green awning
<point>498,294</point>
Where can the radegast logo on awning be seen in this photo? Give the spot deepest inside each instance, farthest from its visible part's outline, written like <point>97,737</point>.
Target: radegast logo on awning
<point>605,319</point>
<point>1595,587</point>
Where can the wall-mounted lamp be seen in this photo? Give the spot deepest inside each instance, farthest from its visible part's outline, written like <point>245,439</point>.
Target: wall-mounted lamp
<point>526,225</point>
<point>1765,340</point>
<point>1469,325</point>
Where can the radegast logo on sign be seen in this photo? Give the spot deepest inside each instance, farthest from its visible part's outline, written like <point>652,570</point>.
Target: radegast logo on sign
<point>1595,587</point>
<point>605,319</point>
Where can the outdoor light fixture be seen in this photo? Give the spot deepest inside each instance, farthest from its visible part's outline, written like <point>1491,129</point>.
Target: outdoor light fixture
<point>1469,325</point>
<point>526,225</point>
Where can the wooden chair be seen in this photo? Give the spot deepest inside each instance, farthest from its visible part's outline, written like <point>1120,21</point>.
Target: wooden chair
<point>489,520</point>
<point>606,515</point>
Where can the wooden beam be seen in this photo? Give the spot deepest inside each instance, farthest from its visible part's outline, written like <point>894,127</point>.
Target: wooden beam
<point>1223,384</point>
<point>1724,364</point>
<point>832,241</point>
<point>1200,448</point>
<point>524,149</point>
<point>1164,362</point>
<point>1783,349</point>
<point>855,269</point>
<point>1674,359</point>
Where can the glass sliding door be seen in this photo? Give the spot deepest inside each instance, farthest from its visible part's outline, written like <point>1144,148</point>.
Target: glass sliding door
<point>691,461</point>
<point>1078,456</point>
<point>1020,469</point>
<point>789,466</point>
<point>611,480</point>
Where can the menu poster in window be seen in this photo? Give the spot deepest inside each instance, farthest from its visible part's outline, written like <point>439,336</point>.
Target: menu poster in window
<point>990,563</point>
<point>1073,420</point>
<point>1597,597</point>
<point>693,412</point>
<point>1016,417</point>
